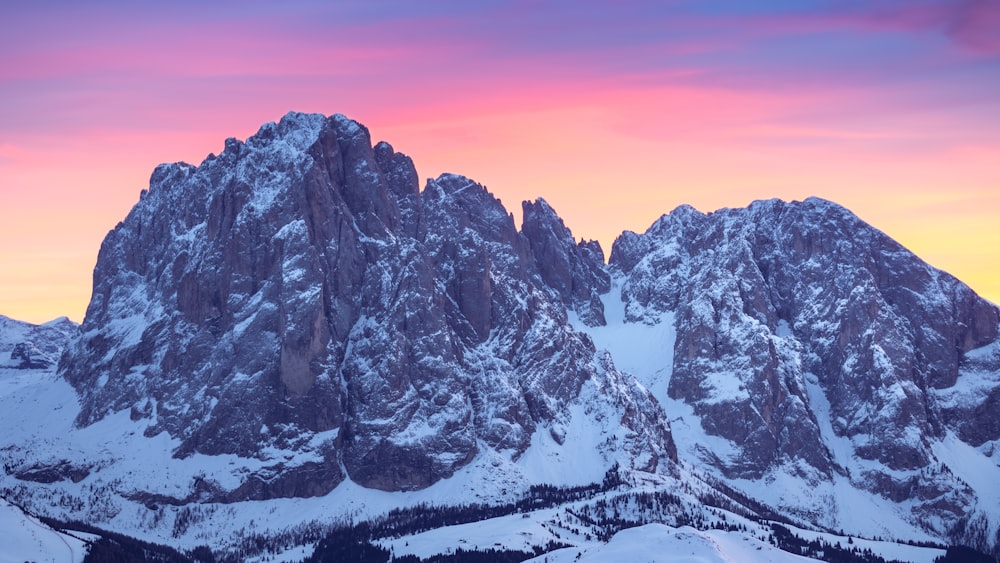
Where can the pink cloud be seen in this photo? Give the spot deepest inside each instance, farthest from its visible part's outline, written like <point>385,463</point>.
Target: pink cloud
<point>974,25</point>
<point>10,152</point>
<point>204,52</point>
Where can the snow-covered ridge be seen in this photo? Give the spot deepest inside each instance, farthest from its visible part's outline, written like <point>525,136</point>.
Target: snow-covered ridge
<point>814,355</point>
<point>292,336</point>
<point>299,293</point>
<point>44,342</point>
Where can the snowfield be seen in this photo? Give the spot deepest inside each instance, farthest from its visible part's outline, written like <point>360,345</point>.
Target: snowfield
<point>664,544</point>
<point>122,473</point>
<point>24,538</point>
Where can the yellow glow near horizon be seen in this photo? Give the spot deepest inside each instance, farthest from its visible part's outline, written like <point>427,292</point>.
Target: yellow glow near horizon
<point>613,116</point>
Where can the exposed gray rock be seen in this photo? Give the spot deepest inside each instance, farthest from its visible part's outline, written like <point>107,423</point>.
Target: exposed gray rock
<point>575,271</point>
<point>297,292</point>
<point>298,299</point>
<point>62,470</point>
<point>768,296</point>
<point>31,346</point>
<point>28,356</point>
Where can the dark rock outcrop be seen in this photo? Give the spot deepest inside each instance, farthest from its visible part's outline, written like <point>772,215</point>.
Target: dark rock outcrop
<point>575,271</point>
<point>28,356</point>
<point>36,347</point>
<point>299,293</point>
<point>769,297</point>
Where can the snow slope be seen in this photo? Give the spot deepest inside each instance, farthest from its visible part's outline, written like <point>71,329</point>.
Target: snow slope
<point>129,477</point>
<point>840,501</point>
<point>24,538</point>
<point>665,544</point>
<point>50,337</point>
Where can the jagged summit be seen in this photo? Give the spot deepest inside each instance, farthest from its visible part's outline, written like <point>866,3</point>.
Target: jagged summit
<point>811,341</point>
<point>574,270</point>
<point>30,346</point>
<point>295,317</point>
<point>297,292</point>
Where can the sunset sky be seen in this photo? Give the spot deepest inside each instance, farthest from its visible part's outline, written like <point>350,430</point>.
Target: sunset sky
<point>614,112</point>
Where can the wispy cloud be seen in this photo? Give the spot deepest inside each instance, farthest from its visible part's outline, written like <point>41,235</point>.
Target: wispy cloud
<point>972,25</point>
<point>666,102</point>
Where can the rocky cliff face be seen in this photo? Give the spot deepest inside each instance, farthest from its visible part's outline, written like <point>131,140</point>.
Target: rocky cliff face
<point>810,340</point>
<point>575,271</point>
<point>300,302</point>
<point>29,346</point>
<point>299,293</point>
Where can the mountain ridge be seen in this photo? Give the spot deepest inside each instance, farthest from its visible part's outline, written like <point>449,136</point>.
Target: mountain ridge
<point>383,301</point>
<point>296,319</point>
<point>839,339</point>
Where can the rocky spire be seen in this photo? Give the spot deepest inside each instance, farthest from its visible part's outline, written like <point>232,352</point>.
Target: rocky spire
<point>298,293</point>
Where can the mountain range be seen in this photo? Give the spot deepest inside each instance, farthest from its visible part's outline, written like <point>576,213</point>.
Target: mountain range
<point>292,348</point>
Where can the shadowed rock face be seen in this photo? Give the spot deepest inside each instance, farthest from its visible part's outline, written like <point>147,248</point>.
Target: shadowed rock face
<point>299,300</point>
<point>31,346</point>
<point>768,297</point>
<point>299,293</point>
<point>28,356</point>
<point>575,271</point>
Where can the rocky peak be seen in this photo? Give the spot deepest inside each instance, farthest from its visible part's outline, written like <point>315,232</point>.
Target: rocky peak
<point>296,293</point>
<point>403,182</point>
<point>779,298</point>
<point>31,346</point>
<point>299,302</point>
<point>575,271</point>
<point>472,208</point>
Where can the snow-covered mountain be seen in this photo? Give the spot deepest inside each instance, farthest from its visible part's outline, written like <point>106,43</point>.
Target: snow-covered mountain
<point>811,353</point>
<point>292,338</point>
<point>297,300</point>
<point>29,346</point>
